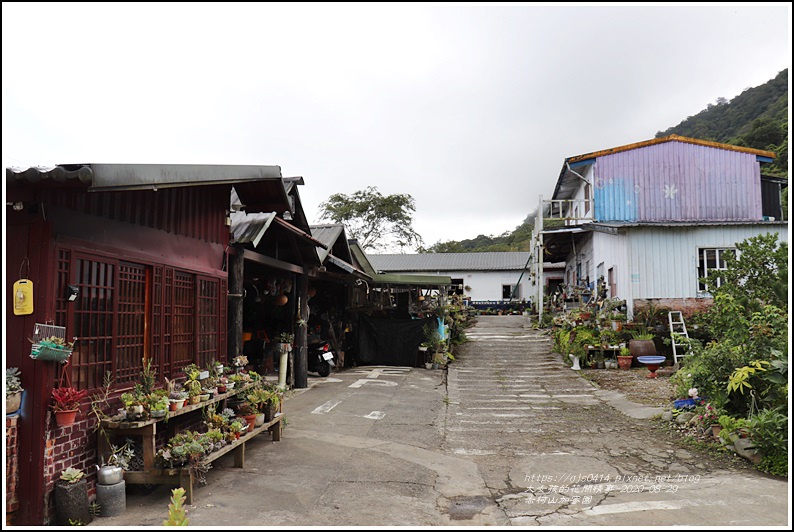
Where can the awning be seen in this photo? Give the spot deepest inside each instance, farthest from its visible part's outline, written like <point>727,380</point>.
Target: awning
<point>349,268</point>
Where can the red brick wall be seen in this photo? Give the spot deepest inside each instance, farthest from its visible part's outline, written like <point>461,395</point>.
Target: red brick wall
<point>71,446</point>
<point>12,471</point>
<point>687,306</point>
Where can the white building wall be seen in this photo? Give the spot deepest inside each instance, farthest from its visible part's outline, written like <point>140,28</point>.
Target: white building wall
<point>587,173</point>
<point>663,261</point>
<point>487,286</point>
<point>612,252</point>
<point>658,262</point>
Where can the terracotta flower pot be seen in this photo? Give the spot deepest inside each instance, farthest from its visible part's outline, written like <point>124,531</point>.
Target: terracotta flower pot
<point>64,418</point>
<point>625,361</point>
<point>251,420</point>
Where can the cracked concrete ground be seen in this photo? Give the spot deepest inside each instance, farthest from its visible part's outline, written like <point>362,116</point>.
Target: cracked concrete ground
<point>509,436</point>
<point>555,450</point>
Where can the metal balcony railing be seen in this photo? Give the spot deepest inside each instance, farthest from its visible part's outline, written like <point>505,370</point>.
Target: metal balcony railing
<point>568,212</point>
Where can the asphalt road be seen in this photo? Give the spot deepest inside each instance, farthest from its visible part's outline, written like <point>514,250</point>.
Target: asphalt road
<point>508,436</point>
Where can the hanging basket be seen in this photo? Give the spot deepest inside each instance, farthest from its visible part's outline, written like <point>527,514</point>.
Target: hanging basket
<point>43,333</point>
<point>43,352</point>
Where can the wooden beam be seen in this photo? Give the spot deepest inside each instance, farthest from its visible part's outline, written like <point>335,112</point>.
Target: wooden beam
<point>253,256</point>
<point>235,304</point>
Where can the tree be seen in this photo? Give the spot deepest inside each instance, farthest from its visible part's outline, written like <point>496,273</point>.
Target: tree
<point>375,220</point>
<point>758,276</point>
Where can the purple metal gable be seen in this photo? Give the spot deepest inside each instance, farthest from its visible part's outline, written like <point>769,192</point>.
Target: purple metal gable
<point>677,181</point>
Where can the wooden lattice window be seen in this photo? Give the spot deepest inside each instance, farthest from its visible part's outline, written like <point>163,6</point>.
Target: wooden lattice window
<point>92,318</point>
<point>132,319</point>
<point>207,321</point>
<point>127,312</point>
<point>183,321</point>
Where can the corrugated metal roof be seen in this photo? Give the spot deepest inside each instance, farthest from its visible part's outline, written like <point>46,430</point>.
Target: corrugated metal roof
<point>618,225</point>
<point>289,227</point>
<point>505,260</point>
<point>327,234</point>
<point>669,138</point>
<point>250,228</point>
<point>393,278</point>
<point>346,266</point>
<point>360,257</point>
<point>568,181</point>
<point>59,174</point>
<point>413,280</point>
<point>146,176</point>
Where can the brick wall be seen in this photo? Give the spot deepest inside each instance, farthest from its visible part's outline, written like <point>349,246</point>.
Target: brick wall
<point>687,306</point>
<point>12,471</point>
<point>69,446</point>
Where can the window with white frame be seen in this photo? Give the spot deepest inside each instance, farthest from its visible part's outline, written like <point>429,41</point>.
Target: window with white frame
<point>710,259</point>
<point>510,291</point>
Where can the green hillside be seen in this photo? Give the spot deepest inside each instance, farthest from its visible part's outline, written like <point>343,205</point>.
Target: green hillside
<point>756,118</point>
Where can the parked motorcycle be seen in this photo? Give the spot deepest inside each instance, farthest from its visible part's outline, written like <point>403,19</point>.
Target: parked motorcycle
<point>320,358</point>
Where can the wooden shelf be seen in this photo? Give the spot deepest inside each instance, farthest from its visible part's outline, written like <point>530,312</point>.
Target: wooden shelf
<point>182,476</point>
<point>147,430</point>
<point>131,425</point>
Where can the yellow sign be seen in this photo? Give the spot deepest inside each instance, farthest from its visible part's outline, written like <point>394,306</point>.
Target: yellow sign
<point>23,297</point>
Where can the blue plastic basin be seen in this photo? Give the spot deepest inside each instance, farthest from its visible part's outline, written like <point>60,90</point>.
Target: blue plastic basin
<point>651,359</point>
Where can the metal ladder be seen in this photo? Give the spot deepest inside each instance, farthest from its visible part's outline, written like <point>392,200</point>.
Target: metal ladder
<point>678,329</point>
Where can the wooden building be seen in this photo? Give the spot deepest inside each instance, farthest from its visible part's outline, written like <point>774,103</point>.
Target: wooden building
<point>133,260</point>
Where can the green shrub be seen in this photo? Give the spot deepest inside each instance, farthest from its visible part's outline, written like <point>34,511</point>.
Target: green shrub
<point>769,432</point>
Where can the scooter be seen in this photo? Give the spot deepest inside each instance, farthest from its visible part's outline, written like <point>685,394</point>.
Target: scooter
<point>320,358</point>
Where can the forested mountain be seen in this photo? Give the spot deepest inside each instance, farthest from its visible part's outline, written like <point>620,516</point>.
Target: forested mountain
<point>756,118</point>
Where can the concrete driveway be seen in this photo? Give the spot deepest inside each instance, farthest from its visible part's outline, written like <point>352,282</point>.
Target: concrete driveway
<point>509,436</point>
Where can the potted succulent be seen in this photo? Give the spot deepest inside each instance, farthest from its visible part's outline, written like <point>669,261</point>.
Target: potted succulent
<point>208,388</point>
<point>262,399</point>
<point>248,412</point>
<point>135,402</point>
<point>71,498</point>
<point>240,362</point>
<point>625,358</point>
<point>223,384</point>
<point>176,398</point>
<point>158,403</point>
<point>284,341</point>
<point>65,402</point>
<point>193,384</point>
<point>236,427</point>
<point>13,390</point>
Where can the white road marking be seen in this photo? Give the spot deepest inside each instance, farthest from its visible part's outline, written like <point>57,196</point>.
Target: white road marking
<point>326,407</point>
<point>375,415</point>
<point>360,382</point>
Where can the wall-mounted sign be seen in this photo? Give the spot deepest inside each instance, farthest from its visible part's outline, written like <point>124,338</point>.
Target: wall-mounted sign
<point>23,297</point>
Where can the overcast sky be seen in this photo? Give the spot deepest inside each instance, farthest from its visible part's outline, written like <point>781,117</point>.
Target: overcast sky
<point>471,109</point>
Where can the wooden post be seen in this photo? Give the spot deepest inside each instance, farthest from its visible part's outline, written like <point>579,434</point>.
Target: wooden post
<point>301,358</point>
<point>236,282</point>
<point>239,456</point>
